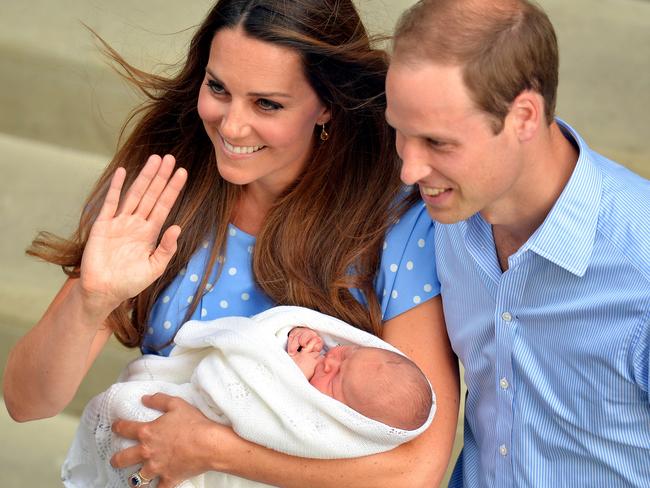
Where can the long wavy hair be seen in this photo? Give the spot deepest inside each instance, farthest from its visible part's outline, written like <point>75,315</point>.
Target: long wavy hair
<point>323,235</point>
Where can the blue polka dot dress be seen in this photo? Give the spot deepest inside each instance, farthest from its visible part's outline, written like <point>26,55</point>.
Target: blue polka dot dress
<point>406,278</point>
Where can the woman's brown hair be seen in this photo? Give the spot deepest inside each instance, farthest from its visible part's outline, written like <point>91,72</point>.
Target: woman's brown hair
<point>323,235</point>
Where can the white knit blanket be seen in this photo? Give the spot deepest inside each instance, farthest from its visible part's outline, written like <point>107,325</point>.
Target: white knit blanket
<point>237,372</point>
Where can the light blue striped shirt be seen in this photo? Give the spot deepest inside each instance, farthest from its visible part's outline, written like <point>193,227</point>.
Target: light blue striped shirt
<point>556,349</point>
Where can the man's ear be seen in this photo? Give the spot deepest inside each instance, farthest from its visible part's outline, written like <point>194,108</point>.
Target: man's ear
<point>526,114</point>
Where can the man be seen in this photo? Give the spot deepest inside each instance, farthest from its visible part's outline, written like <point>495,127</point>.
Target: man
<point>542,248</point>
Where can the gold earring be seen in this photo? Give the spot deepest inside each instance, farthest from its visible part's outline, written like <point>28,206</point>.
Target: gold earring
<point>323,133</point>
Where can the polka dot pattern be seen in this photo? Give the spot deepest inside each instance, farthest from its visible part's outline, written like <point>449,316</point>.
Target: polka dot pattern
<point>410,278</point>
<point>406,277</point>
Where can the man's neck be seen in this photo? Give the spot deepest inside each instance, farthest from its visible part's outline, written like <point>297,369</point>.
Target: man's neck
<point>551,162</point>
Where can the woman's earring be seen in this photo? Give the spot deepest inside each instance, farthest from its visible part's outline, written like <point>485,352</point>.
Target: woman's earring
<point>323,133</point>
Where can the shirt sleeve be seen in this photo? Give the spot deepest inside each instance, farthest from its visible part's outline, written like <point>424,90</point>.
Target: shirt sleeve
<point>641,357</point>
<point>407,272</point>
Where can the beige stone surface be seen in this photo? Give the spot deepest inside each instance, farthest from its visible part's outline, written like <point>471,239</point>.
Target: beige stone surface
<point>61,108</point>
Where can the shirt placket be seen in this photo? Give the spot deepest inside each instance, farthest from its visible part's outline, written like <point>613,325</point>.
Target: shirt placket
<point>506,323</point>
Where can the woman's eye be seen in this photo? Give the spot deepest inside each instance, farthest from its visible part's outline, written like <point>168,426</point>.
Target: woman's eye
<point>265,104</point>
<point>216,87</point>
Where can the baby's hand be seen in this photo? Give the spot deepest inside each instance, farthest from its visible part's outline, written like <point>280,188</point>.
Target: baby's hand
<point>303,339</point>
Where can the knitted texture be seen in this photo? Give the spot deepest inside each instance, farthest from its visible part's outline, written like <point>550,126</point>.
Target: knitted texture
<point>237,372</point>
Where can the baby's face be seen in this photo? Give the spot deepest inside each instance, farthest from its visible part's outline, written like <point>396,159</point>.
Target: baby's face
<point>333,369</point>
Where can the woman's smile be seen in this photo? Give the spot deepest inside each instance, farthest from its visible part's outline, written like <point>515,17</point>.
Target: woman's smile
<point>240,150</point>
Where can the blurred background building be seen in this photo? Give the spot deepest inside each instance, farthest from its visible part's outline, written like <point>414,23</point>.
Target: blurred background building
<point>61,109</point>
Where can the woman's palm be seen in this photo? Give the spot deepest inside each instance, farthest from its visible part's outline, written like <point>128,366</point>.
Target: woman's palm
<point>121,257</point>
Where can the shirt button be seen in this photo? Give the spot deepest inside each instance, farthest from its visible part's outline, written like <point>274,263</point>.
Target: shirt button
<point>503,450</point>
<point>503,383</point>
<point>507,316</point>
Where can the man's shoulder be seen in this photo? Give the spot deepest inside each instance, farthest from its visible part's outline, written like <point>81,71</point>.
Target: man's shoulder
<point>620,179</point>
<point>625,194</point>
<point>624,217</point>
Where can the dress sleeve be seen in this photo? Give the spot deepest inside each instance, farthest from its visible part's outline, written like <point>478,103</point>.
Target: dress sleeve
<point>407,272</point>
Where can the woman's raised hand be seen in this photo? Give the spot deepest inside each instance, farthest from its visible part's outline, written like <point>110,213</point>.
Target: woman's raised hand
<point>121,257</point>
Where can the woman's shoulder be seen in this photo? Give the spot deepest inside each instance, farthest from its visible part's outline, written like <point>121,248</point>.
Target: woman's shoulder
<point>415,221</point>
<point>407,273</point>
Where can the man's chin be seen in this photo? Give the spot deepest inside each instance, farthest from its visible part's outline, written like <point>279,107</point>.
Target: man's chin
<point>444,216</point>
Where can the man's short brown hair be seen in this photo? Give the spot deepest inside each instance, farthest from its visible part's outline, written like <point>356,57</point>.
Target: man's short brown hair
<point>503,46</point>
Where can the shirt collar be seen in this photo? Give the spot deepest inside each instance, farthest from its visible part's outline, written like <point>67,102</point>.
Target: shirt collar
<point>566,237</point>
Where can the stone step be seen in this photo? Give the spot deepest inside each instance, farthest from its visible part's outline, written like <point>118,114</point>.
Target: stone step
<point>61,108</point>
<point>58,88</point>
<point>32,453</point>
<point>42,187</point>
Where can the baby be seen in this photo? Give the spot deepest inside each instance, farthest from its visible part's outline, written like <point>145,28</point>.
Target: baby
<point>249,373</point>
<point>377,383</point>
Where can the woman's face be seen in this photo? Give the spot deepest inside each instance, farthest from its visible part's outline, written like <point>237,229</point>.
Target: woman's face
<point>259,111</point>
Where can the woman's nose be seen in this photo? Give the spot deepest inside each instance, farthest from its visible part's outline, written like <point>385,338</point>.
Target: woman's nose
<point>235,125</point>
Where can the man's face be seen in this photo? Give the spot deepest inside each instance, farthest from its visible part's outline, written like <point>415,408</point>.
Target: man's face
<point>447,145</point>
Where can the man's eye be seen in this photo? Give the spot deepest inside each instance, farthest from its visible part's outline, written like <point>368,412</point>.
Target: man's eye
<point>266,104</point>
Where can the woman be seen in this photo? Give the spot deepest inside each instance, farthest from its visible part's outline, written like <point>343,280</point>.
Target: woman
<point>288,191</point>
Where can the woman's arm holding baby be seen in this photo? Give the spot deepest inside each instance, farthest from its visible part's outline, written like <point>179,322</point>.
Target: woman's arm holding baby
<point>176,454</point>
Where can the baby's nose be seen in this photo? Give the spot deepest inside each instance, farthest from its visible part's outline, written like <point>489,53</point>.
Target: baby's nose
<point>332,363</point>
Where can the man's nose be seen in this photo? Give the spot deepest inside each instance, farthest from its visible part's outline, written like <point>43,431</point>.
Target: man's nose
<point>415,164</point>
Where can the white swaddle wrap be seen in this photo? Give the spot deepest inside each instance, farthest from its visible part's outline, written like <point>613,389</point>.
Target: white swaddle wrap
<point>237,372</point>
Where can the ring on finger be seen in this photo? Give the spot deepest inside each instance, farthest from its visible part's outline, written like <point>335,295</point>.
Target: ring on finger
<point>137,479</point>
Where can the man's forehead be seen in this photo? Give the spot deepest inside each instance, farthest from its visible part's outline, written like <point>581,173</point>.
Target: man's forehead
<point>426,79</point>
<point>427,96</point>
